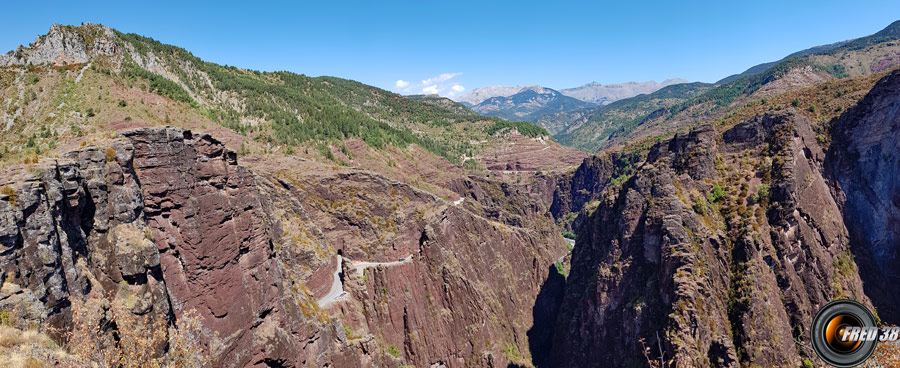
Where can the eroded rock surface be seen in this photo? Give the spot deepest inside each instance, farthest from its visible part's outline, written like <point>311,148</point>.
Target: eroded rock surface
<point>72,226</point>
<point>168,222</point>
<point>717,277</point>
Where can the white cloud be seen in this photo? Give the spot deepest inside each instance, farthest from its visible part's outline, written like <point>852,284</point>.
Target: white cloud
<point>455,90</point>
<point>440,78</point>
<point>431,90</point>
<point>440,84</point>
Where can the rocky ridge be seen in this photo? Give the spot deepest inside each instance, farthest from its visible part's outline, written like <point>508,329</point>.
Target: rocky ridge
<point>60,47</point>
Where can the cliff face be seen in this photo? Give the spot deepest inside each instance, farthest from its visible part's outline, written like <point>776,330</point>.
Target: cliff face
<point>167,222</point>
<point>576,189</point>
<point>864,161</point>
<point>428,282</point>
<point>66,228</point>
<point>162,222</point>
<point>464,300</point>
<point>215,247</point>
<point>719,249</point>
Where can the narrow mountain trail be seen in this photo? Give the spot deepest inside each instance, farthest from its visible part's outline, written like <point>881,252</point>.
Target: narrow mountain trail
<point>360,266</point>
<point>337,293</point>
<point>337,286</point>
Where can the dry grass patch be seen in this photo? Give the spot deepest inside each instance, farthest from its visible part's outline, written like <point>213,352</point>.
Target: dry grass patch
<point>31,348</point>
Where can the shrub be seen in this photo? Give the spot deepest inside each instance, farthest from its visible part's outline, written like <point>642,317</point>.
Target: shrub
<point>110,155</point>
<point>9,193</point>
<point>325,151</point>
<point>560,269</point>
<point>699,207</point>
<point>762,195</point>
<point>393,351</point>
<point>762,191</point>
<point>795,102</point>
<point>346,151</point>
<point>568,234</point>
<point>76,130</point>
<point>525,128</point>
<point>135,341</point>
<point>812,108</point>
<point>90,112</point>
<point>122,103</point>
<point>715,194</point>
<point>511,353</point>
<point>348,331</point>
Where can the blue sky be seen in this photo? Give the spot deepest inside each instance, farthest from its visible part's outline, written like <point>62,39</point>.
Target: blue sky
<point>470,44</point>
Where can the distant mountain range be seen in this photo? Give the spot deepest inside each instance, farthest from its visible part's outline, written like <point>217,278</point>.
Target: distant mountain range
<point>593,92</point>
<point>551,109</point>
<point>607,93</point>
<point>478,95</point>
<point>547,107</point>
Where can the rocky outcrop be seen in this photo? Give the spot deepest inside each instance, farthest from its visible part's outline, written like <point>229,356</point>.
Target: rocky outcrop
<point>583,185</point>
<point>73,226</point>
<point>214,245</point>
<point>717,250</point>
<point>623,267</point>
<point>65,45</point>
<point>163,222</point>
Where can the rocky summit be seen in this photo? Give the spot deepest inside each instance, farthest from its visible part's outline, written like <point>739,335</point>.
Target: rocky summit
<point>158,210</point>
